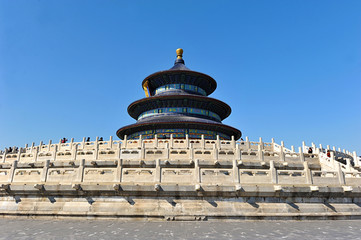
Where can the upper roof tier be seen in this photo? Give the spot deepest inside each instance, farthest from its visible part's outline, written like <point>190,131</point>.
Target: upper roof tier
<point>178,74</point>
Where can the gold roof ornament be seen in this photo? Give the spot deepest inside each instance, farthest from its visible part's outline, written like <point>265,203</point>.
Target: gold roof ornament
<point>179,53</point>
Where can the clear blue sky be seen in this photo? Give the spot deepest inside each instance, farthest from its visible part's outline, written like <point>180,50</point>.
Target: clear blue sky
<point>289,69</point>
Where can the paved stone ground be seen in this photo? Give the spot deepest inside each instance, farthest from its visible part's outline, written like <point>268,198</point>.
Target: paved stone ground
<point>12,228</point>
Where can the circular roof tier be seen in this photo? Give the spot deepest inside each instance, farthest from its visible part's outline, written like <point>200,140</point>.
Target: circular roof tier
<point>181,76</point>
<point>208,126</point>
<point>184,100</point>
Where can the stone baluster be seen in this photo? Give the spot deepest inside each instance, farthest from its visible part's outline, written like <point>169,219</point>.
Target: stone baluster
<point>158,171</point>
<point>4,156</point>
<point>119,170</point>
<point>233,142</point>
<point>155,140</point>
<point>273,172</point>
<point>308,174</point>
<point>142,151</point>
<point>235,171</point>
<point>191,151</point>
<point>334,148</point>
<point>81,170</point>
<point>96,150</point>
<point>332,154</point>
<point>302,156</point>
<point>303,146</point>
<point>215,153</point>
<point>202,141</point>
<point>197,171</point>
<point>111,142</point>
<point>44,172</point>
<point>348,164</point>
<point>237,154</point>
<point>341,175</point>
<point>125,142</point>
<point>273,144</point>
<point>187,141</point>
<point>140,142</point>
<point>12,171</point>
<point>282,154</point>
<point>171,141</point>
<point>292,148</point>
<point>74,152</point>
<point>328,147</point>
<point>248,144</point>
<point>261,143</point>
<point>167,151</point>
<point>71,143</point>
<point>355,159</point>
<point>260,153</point>
<point>218,142</point>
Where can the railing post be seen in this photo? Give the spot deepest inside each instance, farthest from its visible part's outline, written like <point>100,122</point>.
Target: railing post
<point>233,142</point>
<point>248,144</point>
<point>261,143</point>
<point>303,146</point>
<point>237,154</point>
<point>44,173</point>
<point>81,170</point>
<point>158,171</point>
<point>333,158</point>
<point>260,153</point>
<point>202,141</point>
<point>140,142</point>
<point>197,173</point>
<point>302,157</point>
<point>215,153</point>
<point>341,175</point>
<point>12,171</point>
<point>119,170</point>
<point>235,171</point>
<point>273,172</point>
<point>187,141</point>
<point>171,141</point>
<point>111,141</point>
<point>155,140</point>
<point>308,174</point>
<point>355,159</point>
<point>273,144</point>
<point>348,164</point>
<point>125,141</point>
<point>282,154</point>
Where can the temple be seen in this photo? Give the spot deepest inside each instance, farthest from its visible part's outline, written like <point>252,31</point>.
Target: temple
<point>177,103</point>
<point>179,162</point>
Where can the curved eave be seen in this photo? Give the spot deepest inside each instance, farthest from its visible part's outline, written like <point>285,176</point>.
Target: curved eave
<point>228,130</point>
<point>209,85</point>
<point>145,104</point>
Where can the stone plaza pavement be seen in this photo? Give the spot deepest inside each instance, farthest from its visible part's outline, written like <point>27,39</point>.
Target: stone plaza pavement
<point>21,228</point>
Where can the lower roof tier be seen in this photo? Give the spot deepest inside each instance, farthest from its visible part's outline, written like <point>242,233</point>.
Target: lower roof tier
<point>179,129</point>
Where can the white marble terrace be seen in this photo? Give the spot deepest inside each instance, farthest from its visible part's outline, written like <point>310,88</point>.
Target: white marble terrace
<point>172,161</point>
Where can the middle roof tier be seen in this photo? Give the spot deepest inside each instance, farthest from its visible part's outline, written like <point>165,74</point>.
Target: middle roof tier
<point>212,105</point>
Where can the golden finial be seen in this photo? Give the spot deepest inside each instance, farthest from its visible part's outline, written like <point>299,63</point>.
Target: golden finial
<point>179,53</point>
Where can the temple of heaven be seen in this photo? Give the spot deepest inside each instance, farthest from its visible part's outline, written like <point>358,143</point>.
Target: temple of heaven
<point>177,103</point>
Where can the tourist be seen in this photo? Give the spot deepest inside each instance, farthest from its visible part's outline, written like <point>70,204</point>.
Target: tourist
<point>328,153</point>
<point>64,140</point>
<point>101,139</point>
<point>10,149</point>
<point>310,151</point>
